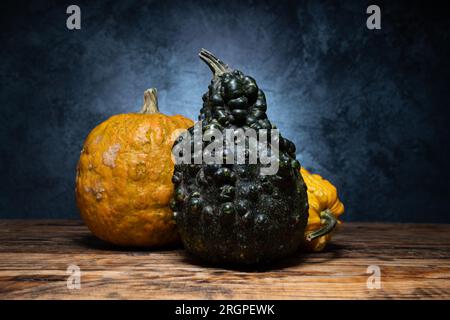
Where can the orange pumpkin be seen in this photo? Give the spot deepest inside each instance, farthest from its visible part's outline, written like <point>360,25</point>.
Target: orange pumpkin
<point>123,183</point>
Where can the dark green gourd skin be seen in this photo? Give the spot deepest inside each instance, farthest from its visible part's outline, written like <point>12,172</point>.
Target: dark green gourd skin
<point>231,214</point>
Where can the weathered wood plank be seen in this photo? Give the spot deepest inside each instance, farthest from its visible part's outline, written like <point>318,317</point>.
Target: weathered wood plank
<point>34,256</point>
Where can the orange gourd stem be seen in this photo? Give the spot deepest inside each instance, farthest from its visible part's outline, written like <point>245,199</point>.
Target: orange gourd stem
<point>150,102</point>
<point>330,224</point>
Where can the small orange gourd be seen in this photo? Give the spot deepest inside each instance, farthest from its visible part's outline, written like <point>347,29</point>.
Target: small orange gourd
<point>123,182</point>
<point>324,205</point>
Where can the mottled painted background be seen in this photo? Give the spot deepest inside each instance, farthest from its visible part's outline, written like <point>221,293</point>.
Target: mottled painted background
<point>369,110</point>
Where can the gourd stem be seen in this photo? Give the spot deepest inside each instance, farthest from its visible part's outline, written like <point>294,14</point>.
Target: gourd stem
<point>150,102</point>
<point>217,67</point>
<point>330,224</point>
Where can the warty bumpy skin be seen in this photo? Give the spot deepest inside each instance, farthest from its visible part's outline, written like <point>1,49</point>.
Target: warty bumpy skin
<point>231,213</point>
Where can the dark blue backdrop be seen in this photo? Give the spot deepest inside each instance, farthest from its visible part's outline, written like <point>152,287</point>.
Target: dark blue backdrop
<point>369,110</point>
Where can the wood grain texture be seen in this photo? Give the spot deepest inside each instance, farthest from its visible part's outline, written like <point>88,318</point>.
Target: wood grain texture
<point>34,256</point>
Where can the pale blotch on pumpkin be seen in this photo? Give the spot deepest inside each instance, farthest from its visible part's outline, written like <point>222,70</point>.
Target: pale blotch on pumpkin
<point>96,191</point>
<point>109,156</point>
<point>98,139</point>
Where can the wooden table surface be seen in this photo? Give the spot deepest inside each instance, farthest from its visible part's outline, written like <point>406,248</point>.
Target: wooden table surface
<point>414,261</point>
